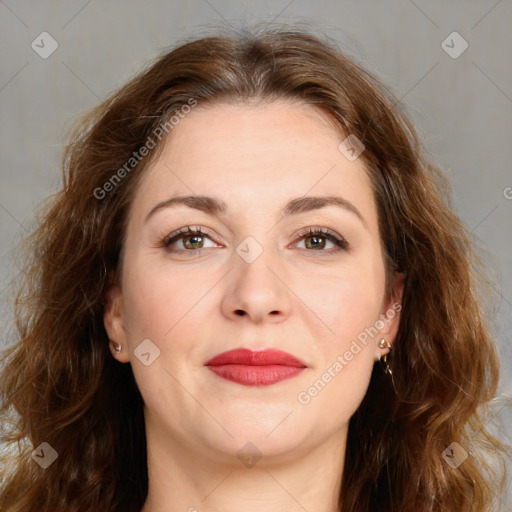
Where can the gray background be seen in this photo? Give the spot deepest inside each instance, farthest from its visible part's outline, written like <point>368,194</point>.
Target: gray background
<point>462,107</point>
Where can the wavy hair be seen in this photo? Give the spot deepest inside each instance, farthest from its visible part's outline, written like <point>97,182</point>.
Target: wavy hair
<point>61,386</point>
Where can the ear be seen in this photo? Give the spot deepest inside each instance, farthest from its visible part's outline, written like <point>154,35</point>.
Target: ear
<point>114,323</point>
<point>390,315</point>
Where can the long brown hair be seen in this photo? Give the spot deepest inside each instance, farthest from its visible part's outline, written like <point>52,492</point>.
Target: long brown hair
<point>61,386</point>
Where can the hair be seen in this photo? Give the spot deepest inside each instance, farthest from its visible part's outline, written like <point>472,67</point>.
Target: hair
<point>61,385</point>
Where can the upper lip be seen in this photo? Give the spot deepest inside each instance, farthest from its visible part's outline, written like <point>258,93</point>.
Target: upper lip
<point>260,358</point>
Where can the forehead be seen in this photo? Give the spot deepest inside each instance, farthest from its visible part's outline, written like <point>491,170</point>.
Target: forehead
<point>229,130</point>
<point>257,155</point>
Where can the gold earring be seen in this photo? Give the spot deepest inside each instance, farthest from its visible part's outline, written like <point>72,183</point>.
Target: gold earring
<point>382,343</point>
<point>117,347</point>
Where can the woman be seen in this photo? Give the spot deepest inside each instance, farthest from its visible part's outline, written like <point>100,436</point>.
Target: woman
<point>250,294</point>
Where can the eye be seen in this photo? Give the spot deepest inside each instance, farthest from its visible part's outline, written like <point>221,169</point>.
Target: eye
<point>191,239</point>
<point>315,235</point>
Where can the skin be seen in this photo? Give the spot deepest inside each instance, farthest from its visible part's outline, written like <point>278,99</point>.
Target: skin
<point>296,296</point>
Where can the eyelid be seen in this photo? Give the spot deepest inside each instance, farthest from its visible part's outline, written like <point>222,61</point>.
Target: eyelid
<point>323,232</point>
<point>338,240</point>
<point>200,230</point>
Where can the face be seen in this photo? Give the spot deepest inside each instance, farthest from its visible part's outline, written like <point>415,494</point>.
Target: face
<point>254,278</point>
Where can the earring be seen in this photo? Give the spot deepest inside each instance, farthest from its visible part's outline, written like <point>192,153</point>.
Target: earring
<point>382,343</point>
<point>117,347</point>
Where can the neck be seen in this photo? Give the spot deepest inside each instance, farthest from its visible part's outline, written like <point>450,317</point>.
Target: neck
<point>183,478</point>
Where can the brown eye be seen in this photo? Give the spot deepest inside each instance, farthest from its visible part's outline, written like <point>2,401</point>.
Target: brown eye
<point>192,239</point>
<point>317,240</point>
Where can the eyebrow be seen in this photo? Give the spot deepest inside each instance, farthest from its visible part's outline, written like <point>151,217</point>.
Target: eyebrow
<point>217,207</point>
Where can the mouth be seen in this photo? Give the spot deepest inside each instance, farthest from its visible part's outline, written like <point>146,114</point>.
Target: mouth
<point>261,368</point>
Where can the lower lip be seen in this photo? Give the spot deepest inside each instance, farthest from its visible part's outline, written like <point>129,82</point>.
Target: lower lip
<point>255,375</point>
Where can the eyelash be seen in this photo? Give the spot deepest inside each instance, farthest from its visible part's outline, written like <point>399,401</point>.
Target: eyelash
<point>340,242</point>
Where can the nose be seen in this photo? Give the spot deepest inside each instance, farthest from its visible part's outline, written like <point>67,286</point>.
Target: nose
<point>257,290</point>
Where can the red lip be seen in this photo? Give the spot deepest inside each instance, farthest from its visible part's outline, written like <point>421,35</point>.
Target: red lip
<point>260,368</point>
<point>260,358</point>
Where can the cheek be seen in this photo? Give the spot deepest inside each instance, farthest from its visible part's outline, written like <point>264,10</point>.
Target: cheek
<point>349,308</point>
<point>155,309</point>
<point>337,387</point>
<point>347,301</point>
<point>153,298</point>
<point>166,308</point>
<point>144,314</point>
